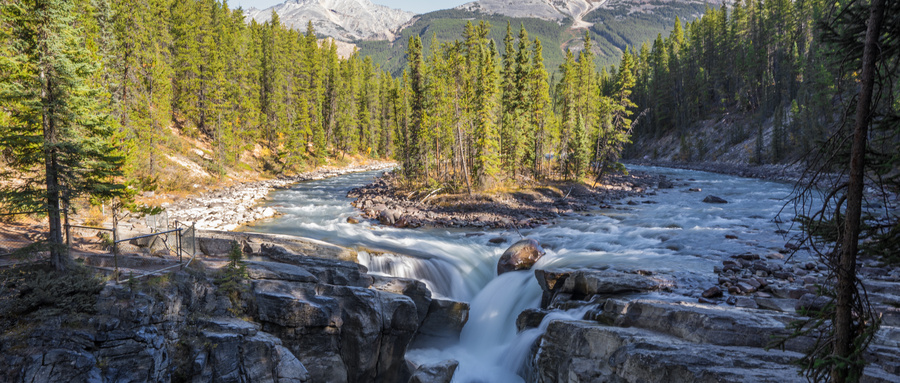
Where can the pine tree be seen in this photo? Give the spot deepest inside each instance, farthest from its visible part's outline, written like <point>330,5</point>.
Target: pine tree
<point>567,104</point>
<point>486,146</point>
<point>187,61</point>
<point>312,72</point>
<point>55,125</point>
<point>540,109</point>
<point>417,95</point>
<point>577,149</point>
<point>616,106</point>
<point>508,97</point>
<point>523,129</point>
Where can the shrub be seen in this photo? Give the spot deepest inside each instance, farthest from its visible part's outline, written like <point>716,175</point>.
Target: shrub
<point>39,291</point>
<point>231,282</point>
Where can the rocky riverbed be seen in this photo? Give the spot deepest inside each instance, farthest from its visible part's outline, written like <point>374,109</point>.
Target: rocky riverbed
<point>386,203</point>
<point>310,312</point>
<point>233,206</point>
<point>631,331</point>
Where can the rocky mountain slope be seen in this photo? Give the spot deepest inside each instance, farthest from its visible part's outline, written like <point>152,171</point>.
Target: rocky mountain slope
<point>382,33</point>
<point>541,9</point>
<point>614,26</point>
<point>345,20</point>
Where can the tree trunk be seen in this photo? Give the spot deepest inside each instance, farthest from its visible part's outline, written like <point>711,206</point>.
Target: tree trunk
<point>846,270</point>
<point>57,253</point>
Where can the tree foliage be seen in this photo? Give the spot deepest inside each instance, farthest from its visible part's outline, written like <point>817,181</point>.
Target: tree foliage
<point>57,134</point>
<point>477,116</point>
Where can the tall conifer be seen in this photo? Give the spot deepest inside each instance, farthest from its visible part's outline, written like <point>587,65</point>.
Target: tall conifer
<point>55,125</point>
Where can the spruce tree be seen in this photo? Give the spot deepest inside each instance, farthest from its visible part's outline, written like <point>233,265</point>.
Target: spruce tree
<point>508,103</point>
<point>540,109</point>
<point>417,96</point>
<point>486,145</point>
<point>56,127</point>
<point>566,93</point>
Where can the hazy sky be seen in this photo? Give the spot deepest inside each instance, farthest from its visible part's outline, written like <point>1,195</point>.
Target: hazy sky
<point>417,6</point>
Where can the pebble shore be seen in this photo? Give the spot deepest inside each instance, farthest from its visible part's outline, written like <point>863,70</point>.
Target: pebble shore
<point>233,206</point>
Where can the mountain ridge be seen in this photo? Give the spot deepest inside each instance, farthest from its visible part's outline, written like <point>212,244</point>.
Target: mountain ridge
<point>541,9</point>
<point>345,20</point>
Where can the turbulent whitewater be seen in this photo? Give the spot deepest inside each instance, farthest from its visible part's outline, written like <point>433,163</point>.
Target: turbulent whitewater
<point>668,231</point>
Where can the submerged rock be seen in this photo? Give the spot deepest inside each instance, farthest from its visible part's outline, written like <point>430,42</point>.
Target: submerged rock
<point>441,372</point>
<point>665,183</point>
<point>442,325</point>
<point>520,256</point>
<point>714,199</point>
<point>530,318</point>
<point>497,240</point>
<point>712,292</point>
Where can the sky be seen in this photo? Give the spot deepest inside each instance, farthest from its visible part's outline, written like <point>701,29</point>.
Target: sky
<point>417,6</point>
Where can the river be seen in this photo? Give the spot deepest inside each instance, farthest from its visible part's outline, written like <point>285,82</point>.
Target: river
<point>670,232</point>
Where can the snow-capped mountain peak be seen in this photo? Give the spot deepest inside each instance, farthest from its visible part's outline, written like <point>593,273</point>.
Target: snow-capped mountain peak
<point>541,9</point>
<point>342,19</point>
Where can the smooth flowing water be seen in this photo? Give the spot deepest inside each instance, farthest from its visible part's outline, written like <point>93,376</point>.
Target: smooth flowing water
<point>675,234</point>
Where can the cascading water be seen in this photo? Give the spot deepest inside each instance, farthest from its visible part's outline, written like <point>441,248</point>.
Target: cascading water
<point>671,232</point>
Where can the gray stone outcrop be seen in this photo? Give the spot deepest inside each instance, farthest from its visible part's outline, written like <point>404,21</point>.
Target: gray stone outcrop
<point>309,320</point>
<point>627,337</point>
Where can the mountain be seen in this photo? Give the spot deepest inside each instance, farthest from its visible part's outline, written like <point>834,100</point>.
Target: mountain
<point>540,9</point>
<point>345,20</point>
<point>381,32</point>
<point>614,25</point>
<point>575,10</point>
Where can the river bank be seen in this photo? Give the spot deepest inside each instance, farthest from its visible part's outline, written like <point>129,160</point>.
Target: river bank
<point>388,203</point>
<point>790,173</point>
<point>236,205</point>
<point>658,287</point>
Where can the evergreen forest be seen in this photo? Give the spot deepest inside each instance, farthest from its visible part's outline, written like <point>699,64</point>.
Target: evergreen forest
<point>98,99</point>
<point>470,113</point>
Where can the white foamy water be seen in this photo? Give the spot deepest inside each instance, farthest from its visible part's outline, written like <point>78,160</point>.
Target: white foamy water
<point>677,235</point>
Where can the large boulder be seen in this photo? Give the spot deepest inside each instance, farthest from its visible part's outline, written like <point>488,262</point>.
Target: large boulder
<point>714,199</point>
<point>312,320</point>
<point>520,256</point>
<point>699,323</point>
<point>581,351</point>
<point>214,246</point>
<point>231,351</point>
<point>414,289</point>
<point>213,242</point>
<point>340,333</point>
<point>563,286</point>
<point>442,324</point>
<point>278,271</point>
<point>441,372</point>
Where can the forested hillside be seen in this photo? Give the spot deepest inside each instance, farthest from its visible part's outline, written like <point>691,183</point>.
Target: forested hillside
<point>613,31</point>
<point>465,113</point>
<point>758,77</point>
<point>257,95</point>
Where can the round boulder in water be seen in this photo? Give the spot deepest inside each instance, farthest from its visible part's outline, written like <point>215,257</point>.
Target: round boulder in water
<point>714,199</point>
<point>520,256</point>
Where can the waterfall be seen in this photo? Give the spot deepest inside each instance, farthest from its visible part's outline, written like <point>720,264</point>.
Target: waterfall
<point>670,231</point>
